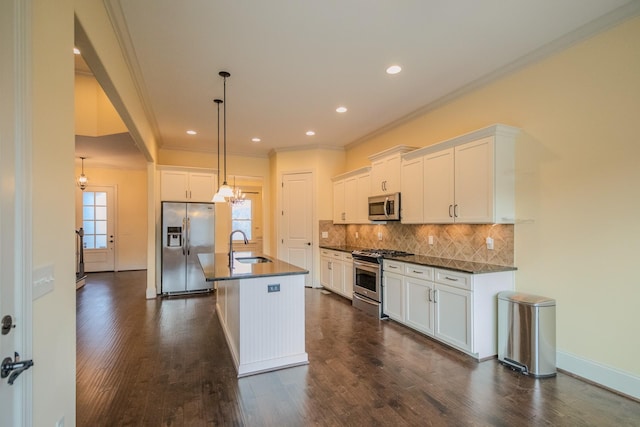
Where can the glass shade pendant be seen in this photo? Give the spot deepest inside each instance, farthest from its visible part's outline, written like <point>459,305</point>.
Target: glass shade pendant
<point>82,180</point>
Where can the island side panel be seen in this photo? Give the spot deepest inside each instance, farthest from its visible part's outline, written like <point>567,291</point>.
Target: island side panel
<point>228,308</point>
<point>272,324</point>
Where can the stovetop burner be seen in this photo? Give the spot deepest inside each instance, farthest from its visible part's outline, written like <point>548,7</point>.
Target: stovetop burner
<point>380,253</point>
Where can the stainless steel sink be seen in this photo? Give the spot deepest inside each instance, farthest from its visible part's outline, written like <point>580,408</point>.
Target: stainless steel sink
<point>252,259</point>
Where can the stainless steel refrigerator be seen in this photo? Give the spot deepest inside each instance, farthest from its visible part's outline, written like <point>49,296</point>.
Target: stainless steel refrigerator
<point>187,230</point>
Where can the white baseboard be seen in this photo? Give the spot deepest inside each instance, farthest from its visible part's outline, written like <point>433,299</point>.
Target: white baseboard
<point>615,379</point>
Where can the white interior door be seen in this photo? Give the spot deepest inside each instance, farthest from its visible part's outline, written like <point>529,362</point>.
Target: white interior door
<point>297,222</point>
<point>15,261</point>
<point>98,219</point>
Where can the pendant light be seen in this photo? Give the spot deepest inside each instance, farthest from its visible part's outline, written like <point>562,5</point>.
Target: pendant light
<point>218,198</point>
<point>225,190</point>
<point>82,180</point>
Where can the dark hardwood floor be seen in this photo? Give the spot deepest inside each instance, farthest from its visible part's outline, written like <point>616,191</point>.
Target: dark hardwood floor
<point>165,362</point>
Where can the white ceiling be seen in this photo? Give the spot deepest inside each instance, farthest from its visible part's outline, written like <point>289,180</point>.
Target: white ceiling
<point>293,62</point>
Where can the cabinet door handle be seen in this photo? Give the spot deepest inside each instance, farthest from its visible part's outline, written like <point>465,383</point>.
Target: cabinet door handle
<point>329,265</point>
<point>186,194</point>
<point>455,211</point>
<point>430,298</point>
<point>450,215</point>
<point>435,296</point>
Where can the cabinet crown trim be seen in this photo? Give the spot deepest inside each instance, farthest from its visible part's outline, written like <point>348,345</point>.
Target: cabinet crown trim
<point>351,173</point>
<point>493,130</point>
<point>390,151</point>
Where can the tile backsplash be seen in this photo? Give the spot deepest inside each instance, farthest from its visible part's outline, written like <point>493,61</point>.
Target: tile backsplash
<point>466,242</point>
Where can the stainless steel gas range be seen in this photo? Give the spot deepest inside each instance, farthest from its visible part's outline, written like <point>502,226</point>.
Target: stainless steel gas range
<point>367,278</point>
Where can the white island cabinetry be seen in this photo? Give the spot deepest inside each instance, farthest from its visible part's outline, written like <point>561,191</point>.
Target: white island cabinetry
<point>261,310</point>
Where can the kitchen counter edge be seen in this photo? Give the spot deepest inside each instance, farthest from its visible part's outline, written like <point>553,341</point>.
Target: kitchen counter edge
<point>215,267</point>
<point>470,267</point>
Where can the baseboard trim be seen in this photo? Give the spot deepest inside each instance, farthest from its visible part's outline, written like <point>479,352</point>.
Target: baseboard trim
<point>618,381</point>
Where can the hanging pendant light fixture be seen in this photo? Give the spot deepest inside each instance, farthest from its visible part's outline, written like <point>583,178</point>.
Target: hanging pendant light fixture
<point>82,180</point>
<point>218,198</point>
<point>225,190</point>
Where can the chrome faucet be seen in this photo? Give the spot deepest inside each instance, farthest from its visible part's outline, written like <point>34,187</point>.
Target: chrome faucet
<point>246,242</point>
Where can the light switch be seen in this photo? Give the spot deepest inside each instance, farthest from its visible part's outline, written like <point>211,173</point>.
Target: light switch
<point>325,234</point>
<point>431,240</point>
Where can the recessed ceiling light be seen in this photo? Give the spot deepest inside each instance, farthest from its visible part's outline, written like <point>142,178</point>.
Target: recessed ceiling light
<point>341,109</point>
<point>310,133</point>
<point>394,69</point>
<point>255,139</point>
<point>192,132</point>
<point>76,51</point>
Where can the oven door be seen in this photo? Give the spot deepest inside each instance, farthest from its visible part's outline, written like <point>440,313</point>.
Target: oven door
<point>366,280</point>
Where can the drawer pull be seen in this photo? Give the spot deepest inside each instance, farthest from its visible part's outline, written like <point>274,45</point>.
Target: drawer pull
<point>451,278</point>
<point>418,272</point>
<point>393,267</point>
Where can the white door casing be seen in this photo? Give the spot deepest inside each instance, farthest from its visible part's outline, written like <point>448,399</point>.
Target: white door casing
<point>96,257</point>
<point>297,222</point>
<point>15,208</point>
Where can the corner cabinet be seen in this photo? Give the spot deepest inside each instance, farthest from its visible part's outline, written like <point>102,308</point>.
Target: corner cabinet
<point>187,186</point>
<point>350,197</point>
<point>458,309</point>
<point>469,179</point>
<point>385,170</point>
<point>336,272</point>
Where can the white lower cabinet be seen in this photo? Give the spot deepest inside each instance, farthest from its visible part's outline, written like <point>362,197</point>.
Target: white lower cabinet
<point>420,310</point>
<point>336,272</point>
<point>455,308</point>
<point>392,296</point>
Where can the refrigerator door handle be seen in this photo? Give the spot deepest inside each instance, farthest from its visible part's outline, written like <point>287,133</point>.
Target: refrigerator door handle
<point>188,236</point>
<point>184,240</point>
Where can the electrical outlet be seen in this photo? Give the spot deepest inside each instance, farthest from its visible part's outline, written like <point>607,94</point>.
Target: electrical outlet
<point>431,240</point>
<point>325,234</point>
<point>379,235</point>
<point>357,235</point>
<point>489,243</point>
<point>273,288</point>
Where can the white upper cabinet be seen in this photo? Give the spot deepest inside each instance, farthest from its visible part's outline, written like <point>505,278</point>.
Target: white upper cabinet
<point>469,179</point>
<point>350,197</point>
<point>385,170</point>
<point>339,213</point>
<point>412,198</point>
<point>187,186</point>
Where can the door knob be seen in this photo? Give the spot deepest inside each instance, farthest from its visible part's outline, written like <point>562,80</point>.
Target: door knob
<point>7,324</point>
<point>308,243</point>
<point>13,368</point>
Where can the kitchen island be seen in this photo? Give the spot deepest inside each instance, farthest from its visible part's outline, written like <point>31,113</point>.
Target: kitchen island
<point>260,304</point>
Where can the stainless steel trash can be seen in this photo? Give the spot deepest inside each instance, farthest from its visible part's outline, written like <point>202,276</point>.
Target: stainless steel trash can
<point>527,333</point>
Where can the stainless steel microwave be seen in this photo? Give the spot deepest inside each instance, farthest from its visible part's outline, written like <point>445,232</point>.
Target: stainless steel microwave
<point>385,207</point>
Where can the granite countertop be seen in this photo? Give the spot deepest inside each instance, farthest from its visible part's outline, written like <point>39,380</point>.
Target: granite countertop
<point>216,267</point>
<point>449,264</point>
<point>342,248</point>
<point>454,264</point>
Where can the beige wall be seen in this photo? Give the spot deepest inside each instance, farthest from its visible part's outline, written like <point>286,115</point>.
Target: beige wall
<point>578,170</point>
<point>131,213</point>
<point>94,113</point>
<point>53,237</point>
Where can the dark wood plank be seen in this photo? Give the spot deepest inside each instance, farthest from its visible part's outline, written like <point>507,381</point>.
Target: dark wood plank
<point>165,362</point>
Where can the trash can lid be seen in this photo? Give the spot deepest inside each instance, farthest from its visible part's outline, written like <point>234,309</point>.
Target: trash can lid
<point>522,298</point>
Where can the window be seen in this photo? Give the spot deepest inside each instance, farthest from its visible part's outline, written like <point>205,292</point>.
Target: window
<point>241,218</point>
<point>94,219</point>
